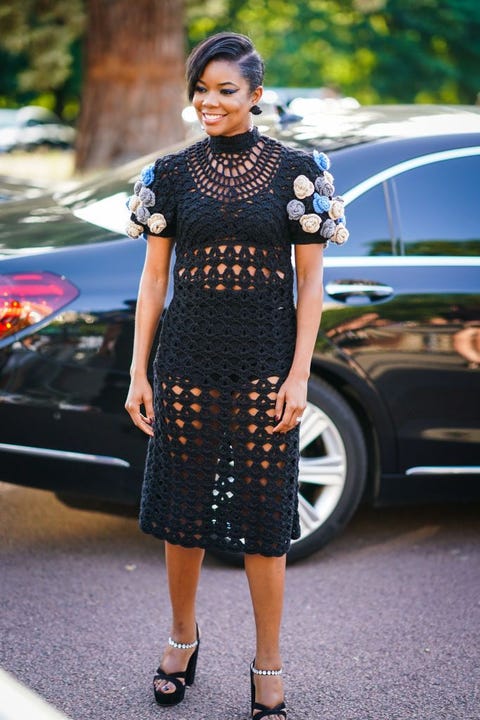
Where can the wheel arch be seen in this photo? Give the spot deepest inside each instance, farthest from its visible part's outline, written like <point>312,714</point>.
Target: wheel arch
<point>372,417</point>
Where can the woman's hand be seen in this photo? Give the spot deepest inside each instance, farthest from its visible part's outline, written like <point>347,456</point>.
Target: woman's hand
<point>291,402</point>
<point>140,393</point>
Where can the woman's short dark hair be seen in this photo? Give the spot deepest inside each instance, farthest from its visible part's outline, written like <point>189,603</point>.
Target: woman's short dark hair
<point>225,46</point>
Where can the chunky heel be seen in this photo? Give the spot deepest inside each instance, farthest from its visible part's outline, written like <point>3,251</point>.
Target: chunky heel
<point>176,678</point>
<point>263,710</point>
<point>191,667</point>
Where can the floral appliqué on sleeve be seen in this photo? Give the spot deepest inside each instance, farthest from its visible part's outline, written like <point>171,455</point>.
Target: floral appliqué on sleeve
<point>139,204</point>
<point>315,207</point>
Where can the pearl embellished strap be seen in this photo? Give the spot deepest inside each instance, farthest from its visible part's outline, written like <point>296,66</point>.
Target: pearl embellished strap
<point>182,646</point>
<point>266,672</point>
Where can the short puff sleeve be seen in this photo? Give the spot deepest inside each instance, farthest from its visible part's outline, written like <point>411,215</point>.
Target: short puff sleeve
<point>152,205</point>
<point>315,213</point>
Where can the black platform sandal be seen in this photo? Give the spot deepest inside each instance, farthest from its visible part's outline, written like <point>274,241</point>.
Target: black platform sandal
<point>265,711</point>
<point>188,675</point>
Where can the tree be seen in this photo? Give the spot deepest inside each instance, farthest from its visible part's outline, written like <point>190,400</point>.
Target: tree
<point>422,51</point>
<point>133,90</point>
<point>133,57</point>
<point>38,45</point>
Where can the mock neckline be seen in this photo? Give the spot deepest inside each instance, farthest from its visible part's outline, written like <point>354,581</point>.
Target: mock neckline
<point>234,143</point>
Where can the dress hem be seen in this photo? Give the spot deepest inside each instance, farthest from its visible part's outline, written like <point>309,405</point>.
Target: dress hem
<point>216,547</point>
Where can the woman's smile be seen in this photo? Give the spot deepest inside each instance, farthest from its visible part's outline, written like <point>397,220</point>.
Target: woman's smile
<point>211,118</point>
<point>223,99</point>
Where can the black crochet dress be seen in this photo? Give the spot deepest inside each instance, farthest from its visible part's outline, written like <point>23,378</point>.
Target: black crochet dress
<point>216,475</point>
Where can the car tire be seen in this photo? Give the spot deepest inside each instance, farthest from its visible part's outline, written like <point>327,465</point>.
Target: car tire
<point>333,468</point>
<point>332,471</point>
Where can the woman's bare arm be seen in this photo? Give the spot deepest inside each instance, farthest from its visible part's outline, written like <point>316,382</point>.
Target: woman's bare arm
<point>150,303</point>
<point>292,396</point>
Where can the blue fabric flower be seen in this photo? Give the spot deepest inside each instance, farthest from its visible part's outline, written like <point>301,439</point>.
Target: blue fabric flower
<point>321,159</point>
<point>148,174</point>
<point>321,203</point>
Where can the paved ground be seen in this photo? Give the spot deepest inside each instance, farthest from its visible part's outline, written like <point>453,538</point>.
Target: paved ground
<point>382,625</point>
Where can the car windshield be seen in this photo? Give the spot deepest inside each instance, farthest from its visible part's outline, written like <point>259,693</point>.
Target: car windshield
<point>101,200</point>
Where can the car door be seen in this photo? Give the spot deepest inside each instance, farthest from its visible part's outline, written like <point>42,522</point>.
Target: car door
<point>404,306</point>
<point>437,215</point>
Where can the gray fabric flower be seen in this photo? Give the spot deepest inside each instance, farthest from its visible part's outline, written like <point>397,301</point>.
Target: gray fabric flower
<point>295,209</point>
<point>137,187</point>
<point>328,229</point>
<point>324,187</point>
<point>142,214</point>
<point>147,197</point>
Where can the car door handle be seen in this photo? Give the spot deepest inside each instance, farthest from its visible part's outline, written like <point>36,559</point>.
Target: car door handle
<point>356,290</point>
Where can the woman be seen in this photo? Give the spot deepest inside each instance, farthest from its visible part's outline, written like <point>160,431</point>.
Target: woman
<point>234,357</point>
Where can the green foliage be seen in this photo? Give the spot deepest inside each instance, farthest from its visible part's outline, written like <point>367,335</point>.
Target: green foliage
<point>376,50</point>
<point>425,50</point>
<point>39,43</point>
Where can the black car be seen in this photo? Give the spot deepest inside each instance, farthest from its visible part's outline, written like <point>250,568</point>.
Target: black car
<point>393,409</point>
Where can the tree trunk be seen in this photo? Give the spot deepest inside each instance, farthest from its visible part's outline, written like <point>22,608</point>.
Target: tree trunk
<point>134,88</point>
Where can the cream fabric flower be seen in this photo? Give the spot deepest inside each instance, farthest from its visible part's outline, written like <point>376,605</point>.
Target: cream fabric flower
<point>310,223</point>
<point>157,223</point>
<point>303,187</point>
<point>336,208</point>
<point>134,203</point>
<point>133,230</point>
<point>341,234</point>
<point>328,176</point>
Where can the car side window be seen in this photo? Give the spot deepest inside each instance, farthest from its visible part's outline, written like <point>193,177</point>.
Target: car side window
<point>438,208</point>
<point>368,225</point>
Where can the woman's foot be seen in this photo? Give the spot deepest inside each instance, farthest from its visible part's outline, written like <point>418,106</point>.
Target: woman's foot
<point>176,671</point>
<point>267,694</point>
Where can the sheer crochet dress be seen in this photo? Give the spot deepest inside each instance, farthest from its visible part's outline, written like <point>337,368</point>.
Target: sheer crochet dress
<point>216,475</point>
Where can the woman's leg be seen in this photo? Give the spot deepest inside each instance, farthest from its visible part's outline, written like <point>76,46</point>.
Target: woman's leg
<point>266,579</point>
<point>183,571</point>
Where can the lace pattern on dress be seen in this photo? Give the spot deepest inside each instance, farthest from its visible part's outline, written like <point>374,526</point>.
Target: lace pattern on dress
<point>216,475</point>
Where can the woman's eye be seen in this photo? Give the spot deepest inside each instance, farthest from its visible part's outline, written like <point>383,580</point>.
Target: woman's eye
<point>226,91</point>
<point>199,89</point>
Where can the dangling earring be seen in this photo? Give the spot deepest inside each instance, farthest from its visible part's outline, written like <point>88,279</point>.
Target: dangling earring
<point>255,110</point>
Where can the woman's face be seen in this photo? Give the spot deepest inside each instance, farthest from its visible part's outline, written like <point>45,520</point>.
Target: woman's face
<point>223,99</point>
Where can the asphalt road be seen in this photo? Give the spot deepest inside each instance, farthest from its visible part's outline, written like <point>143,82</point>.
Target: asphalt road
<point>384,624</point>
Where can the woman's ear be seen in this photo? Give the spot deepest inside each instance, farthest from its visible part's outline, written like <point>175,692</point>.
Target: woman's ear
<point>257,95</point>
